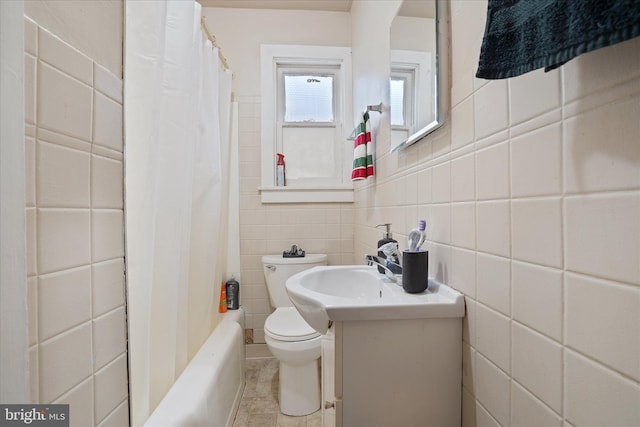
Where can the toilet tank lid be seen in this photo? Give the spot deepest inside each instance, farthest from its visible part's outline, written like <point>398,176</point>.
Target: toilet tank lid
<point>307,259</point>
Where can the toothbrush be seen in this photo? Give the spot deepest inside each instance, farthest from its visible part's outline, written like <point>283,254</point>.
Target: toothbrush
<point>417,236</point>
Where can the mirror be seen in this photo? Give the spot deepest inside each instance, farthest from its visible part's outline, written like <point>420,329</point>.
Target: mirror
<point>419,70</point>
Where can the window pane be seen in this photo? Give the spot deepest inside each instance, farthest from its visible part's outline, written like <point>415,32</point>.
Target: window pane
<point>308,98</point>
<point>397,102</point>
<point>309,152</point>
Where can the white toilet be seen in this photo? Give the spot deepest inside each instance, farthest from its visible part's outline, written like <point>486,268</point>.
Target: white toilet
<point>290,338</point>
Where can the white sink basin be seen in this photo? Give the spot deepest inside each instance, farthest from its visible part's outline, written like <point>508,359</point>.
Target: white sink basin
<point>359,292</point>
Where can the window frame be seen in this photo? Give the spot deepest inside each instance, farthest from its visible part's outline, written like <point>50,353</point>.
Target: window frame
<point>314,59</point>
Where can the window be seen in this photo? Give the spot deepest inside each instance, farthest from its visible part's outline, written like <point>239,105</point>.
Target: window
<point>308,125</point>
<point>398,88</point>
<point>402,94</point>
<point>304,101</point>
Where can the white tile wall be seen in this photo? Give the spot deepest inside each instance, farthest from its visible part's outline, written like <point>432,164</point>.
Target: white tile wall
<point>118,418</point>
<point>589,168</point>
<point>483,418</point>
<point>493,281</point>
<point>463,275</point>
<point>463,178</point>
<point>74,208</point>
<point>62,177</point>
<point>108,285</point>
<point>537,365</point>
<point>64,104</point>
<point>492,391</point>
<point>63,239</point>
<point>106,187</point>
<point>110,387</point>
<point>552,231</point>
<point>65,360</point>
<point>107,234</point>
<point>602,235</point>
<point>594,395</point>
<point>65,58</point>
<point>537,298</point>
<point>439,218</point>
<point>64,301</point>
<point>493,336</point>
<point>537,231</point>
<point>493,221</point>
<point>463,128</point>
<point>492,172</point>
<point>441,183</point>
<point>109,337</point>
<point>601,70</point>
<point>491,106</point>
<point>614,334</point>
<point>107,126</point>
<point>536,162</point>
<point>463,225</point>
<point>80,398</point>
<point>546,97</point>
<point>528,411</point>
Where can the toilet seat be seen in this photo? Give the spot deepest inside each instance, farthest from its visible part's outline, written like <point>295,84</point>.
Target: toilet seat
<point>286,324</point>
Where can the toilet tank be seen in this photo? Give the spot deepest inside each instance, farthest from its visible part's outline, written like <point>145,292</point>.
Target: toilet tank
<point>278,269</point>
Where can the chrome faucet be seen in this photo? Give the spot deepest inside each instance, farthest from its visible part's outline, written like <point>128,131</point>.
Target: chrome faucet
<point>390,268</point>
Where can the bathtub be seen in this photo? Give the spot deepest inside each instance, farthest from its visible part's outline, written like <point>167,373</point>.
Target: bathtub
<point>208,391</point>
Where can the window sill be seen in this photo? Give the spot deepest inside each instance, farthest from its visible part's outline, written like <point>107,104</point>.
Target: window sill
<point>337,194</point>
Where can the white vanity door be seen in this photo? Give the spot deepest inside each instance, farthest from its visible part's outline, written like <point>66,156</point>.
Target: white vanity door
<point>328,380</point>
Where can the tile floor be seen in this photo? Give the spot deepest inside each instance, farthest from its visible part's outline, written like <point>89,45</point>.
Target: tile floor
<point>259,404</point>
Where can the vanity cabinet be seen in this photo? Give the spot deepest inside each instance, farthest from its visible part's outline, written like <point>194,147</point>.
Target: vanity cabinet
<point>385,373</point>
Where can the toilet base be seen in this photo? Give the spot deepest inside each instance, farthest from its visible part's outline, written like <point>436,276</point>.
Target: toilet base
<point>299,388</point>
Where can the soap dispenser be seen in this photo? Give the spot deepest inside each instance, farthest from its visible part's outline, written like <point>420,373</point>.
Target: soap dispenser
<point>386,238</point>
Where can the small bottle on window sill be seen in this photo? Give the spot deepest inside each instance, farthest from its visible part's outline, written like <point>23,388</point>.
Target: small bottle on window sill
<point>281,177</point>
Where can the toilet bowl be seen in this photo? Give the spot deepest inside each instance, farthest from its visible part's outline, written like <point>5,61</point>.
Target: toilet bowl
<point>297,347</point>
<point>290,339</point>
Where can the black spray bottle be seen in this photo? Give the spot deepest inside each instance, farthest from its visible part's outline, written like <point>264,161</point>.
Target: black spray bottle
<point>386,238</point>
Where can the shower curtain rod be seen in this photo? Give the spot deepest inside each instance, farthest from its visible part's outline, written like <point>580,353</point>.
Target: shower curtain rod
<point>212,39</point>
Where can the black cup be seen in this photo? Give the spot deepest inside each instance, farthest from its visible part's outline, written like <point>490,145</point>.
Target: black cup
<point>415,271</point>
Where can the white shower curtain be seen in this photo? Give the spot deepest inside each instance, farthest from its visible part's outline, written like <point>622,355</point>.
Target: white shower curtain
<point>177,116</point>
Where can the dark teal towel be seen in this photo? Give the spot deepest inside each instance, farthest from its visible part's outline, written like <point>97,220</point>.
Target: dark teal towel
<point>523,35</point>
